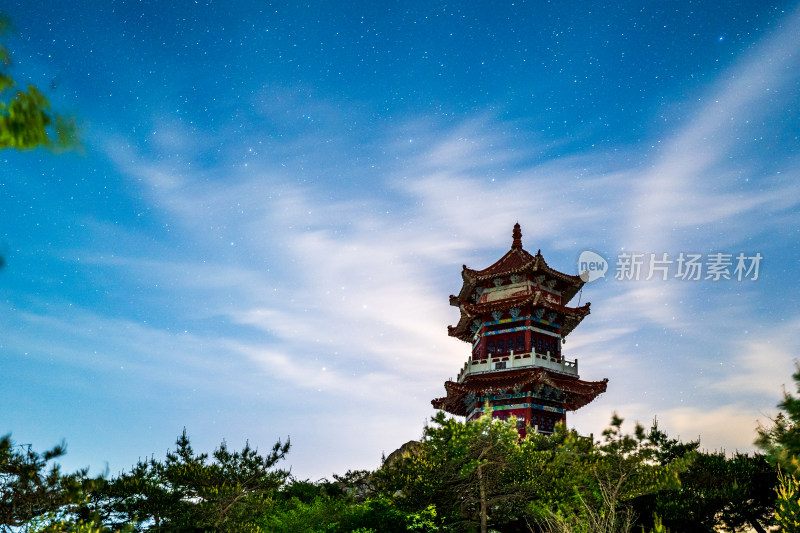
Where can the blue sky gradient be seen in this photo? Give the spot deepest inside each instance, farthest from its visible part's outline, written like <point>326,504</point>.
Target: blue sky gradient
<point>273,203</point>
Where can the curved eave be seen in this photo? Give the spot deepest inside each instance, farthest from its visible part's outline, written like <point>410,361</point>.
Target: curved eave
<point>515,260</point>
<point>468,284</point>
<point>578,392</point>
<point>518,261</point>
<point>461,330</point>
<point>572,315</point>
<point>535,299</point>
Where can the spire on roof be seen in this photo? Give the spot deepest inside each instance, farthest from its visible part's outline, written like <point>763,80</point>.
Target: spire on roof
<point>517,237</point>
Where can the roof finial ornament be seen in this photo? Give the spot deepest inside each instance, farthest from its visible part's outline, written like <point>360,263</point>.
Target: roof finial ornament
<point>517,237</point>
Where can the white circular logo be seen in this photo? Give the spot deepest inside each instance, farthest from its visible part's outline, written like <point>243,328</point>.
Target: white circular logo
<point>591,266</point>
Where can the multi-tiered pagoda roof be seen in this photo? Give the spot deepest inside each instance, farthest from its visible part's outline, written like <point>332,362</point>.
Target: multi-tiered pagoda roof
<point>520,263</point>
<point>515,315</point>
<point>577,393</point>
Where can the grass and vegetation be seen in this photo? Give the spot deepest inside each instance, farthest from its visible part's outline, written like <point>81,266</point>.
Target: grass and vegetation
<point>460,477</point>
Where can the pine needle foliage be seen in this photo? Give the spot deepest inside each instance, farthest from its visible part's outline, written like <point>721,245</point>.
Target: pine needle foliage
<point>787,505</point>
<point>194,492</point>
<point>781,444</point>
<point>32,486</point>
<point>781,440</point>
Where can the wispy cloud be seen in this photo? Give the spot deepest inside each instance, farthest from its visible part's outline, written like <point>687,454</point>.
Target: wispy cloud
<point>286,281</point>
<point>762,361</point>
<point>702,173</point>
<point>726,428</point>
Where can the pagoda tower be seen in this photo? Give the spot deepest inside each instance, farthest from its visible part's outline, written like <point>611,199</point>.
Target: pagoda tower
<point>515,315</point>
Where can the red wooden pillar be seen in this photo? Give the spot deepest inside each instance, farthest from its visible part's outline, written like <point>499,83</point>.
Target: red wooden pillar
<point>528,345</point>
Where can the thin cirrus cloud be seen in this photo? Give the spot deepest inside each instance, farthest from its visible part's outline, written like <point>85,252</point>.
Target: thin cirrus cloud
<point>762,362</point>
<point>710,171</point>
<point>299,275</point>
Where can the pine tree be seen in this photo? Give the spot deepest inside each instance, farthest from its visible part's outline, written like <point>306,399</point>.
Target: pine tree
<point>781,441</point>
<point>194,492</point>
<point>781,444</point>
<point>32,487</point>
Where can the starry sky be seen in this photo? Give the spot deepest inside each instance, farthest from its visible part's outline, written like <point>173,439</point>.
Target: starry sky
<point>273,202</point>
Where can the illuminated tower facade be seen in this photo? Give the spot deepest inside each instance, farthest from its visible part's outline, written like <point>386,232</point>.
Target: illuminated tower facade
<point>515,316</point>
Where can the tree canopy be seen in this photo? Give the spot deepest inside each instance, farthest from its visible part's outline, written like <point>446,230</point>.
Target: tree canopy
<point>26,118</point>
<point>194,492</point>
<point>33,486</point>
<point>459,477</point>
<point>781,444</point>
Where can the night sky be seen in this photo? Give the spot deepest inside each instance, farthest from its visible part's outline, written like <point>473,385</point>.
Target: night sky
<point>273,202</point>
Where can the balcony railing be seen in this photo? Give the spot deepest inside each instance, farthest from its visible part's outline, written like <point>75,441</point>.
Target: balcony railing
<point>513,361</point>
